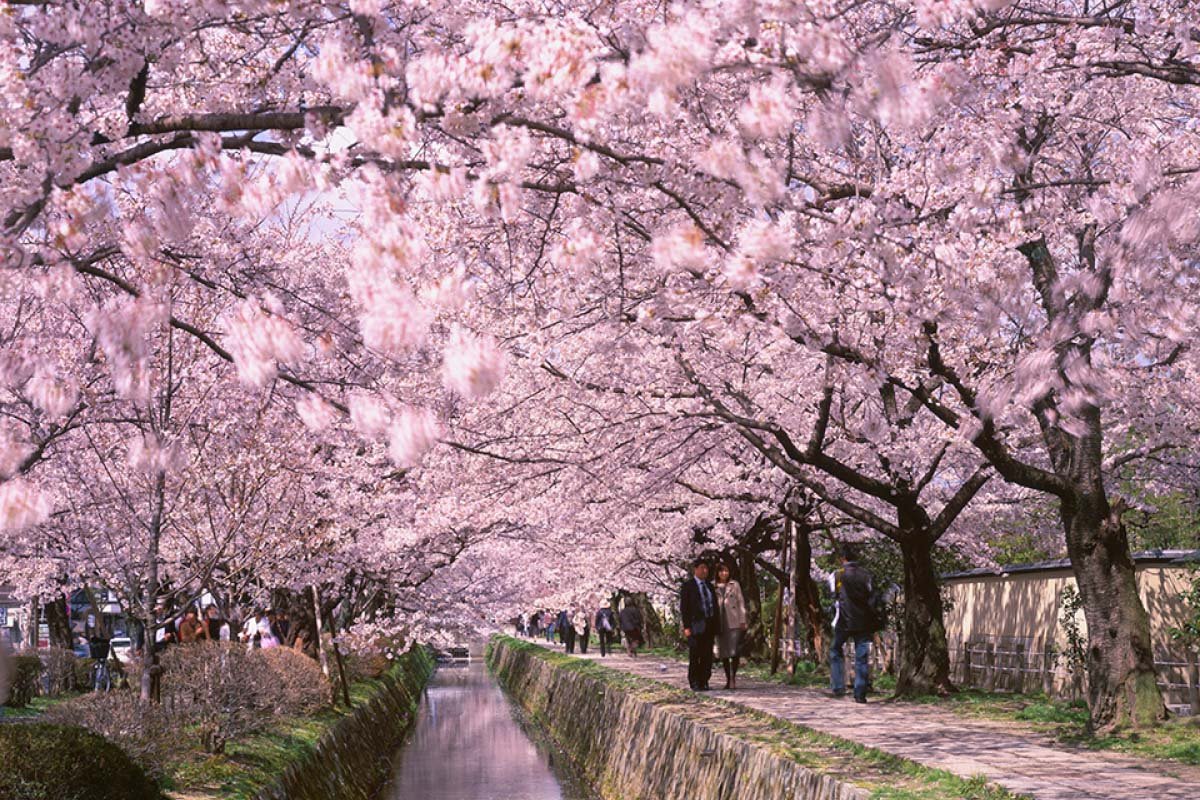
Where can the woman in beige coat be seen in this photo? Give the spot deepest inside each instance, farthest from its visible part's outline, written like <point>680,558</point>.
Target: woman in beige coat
<point>731,613</point>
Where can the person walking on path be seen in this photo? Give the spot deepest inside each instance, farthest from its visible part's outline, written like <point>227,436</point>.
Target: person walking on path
<point>731,614</point>
<point>631,627</point>
<point>698,613</point>
<point>566,633</point>
<point>606,629</point>
<point>583,629</point>
<point>852,619</point>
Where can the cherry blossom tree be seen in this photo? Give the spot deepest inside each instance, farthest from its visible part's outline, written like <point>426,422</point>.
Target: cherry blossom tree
<point>986,205</point>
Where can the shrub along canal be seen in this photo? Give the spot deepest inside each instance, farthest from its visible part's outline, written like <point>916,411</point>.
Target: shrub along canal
<point>471,743</point>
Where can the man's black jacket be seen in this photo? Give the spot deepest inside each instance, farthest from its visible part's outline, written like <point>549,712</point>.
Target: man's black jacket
<point>691,607</point>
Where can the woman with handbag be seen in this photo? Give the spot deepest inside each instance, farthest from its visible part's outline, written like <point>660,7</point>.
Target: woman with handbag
<point>731,618</point>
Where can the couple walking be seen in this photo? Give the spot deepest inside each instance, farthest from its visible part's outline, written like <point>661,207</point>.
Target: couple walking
<point>712,612</point>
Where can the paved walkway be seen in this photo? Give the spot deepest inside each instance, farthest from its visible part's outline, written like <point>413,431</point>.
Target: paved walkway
<point>1007,753</point>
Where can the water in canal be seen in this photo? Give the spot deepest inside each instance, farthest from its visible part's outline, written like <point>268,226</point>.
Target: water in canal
<point>470,743</point>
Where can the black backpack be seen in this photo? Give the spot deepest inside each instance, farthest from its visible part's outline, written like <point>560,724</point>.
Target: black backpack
<point>876,607</point>
<point>877,610</point>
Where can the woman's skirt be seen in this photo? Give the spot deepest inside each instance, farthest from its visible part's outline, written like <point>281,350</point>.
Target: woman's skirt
<point>729,643</point>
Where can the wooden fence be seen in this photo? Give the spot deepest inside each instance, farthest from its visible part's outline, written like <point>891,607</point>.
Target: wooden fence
<point>1018,665</point>
<point>1022,666</point>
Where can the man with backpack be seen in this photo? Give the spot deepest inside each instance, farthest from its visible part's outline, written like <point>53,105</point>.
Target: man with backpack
<point>857,615</point>
<point>606,624</point>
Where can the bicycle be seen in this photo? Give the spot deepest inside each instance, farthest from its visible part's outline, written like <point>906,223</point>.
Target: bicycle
<point>101,677</point>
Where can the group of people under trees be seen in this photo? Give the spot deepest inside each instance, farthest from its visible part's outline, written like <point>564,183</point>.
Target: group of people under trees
<point>264,628</point>
<point>715,613</point>
<point>573,628</point>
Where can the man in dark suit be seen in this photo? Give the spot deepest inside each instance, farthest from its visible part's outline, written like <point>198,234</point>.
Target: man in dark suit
<point>698,615</point>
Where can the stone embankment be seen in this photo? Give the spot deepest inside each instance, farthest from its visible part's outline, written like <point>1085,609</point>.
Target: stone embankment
<point>353,759</point>
<point>629,739</point>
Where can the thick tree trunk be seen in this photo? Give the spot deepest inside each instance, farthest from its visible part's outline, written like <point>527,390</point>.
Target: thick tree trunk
<point>1122,686</point>
<point>58,620</point>
<point>808,595</point>
<point>923,663</point>
<point>748,576</point>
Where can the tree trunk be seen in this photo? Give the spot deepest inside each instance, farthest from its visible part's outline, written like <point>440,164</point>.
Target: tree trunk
<point>1122,687</point>
<point>755,637</point>
<point>924,658</point>
<point>650,619</point>
<point>319,632</point>
<point>782,592</point>
<point>147,686</point>
<point>34,626</point>
<point>808,595</point>
<point>58,620</point>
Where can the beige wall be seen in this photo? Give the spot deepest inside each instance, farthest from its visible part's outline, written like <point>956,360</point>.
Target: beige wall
<point>1026,605</point>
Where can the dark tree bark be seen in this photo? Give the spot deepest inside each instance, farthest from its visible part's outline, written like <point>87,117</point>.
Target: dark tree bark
<point>58,620</point>
<point>1122,683</point>
<point>923,663</point>
<point>748,576</point>
<point>299,609</point>
<point>651,622</point>
<point>148,689</point>
<point>807,594</point>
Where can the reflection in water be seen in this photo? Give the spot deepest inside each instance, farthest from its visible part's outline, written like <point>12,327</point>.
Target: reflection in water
<point>467,744</point>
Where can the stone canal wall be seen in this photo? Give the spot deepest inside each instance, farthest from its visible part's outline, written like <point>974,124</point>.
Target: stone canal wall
<point>353,759</point>
<point>633,743</point>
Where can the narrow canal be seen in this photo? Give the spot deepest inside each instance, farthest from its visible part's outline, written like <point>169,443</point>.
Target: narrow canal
<point>470,743</point>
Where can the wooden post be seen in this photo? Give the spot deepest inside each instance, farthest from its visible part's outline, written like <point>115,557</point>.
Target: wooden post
<point>1021,666</point>
<point>1048,669</point>
<point>1194,681</point>
<point>989,667</point>
<point>967,677</point>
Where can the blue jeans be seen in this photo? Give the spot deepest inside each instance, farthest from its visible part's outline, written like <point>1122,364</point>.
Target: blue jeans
<point>837,667</point>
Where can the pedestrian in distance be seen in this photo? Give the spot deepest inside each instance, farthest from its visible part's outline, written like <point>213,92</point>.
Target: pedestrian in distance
<point>268,633</point>
<point>281,624</point>
<point>252,631</point>
<point>583,629</point>
<point>191,629</point>
<point>855,618</point>
<point>698,614</point>
<point>566,632</point>
<point>731,617</point>
<point>606,629</point>
<point>631,627</point>
<point>213,623</point>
